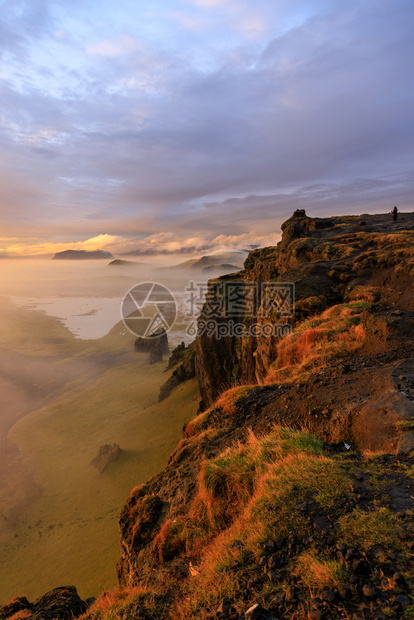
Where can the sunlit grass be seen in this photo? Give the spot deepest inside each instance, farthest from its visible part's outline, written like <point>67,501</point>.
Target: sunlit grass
<point>317,572</point>
<point>247,494</point>
<point>335,333</point>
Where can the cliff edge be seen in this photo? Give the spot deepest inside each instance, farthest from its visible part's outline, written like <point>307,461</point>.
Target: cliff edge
<point>327,262</point>
<point>281,473</point>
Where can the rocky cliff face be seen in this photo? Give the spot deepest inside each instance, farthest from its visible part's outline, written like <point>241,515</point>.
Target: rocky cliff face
<point>328,261</point>
<point>354,276</point>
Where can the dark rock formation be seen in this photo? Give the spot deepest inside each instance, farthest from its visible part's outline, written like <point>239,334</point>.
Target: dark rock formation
<point>15,605</point>
<point>177,355</point>
<point>82,255</point>
<point>157,346</point>
<point>329,261</point>
<point>62,603</point>
<point>184,358</point>
<point>108,453</point>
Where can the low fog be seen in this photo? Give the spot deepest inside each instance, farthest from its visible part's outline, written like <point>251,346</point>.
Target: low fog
<point>85,296</point>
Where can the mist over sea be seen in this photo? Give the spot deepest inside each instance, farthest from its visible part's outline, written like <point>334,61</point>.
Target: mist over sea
<point>86,295</point>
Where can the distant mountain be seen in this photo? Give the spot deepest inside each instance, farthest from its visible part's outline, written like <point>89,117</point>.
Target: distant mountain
<point>118,262</point>
<point>222,267</point>
<point>228,261</point>
<point>82,255</point>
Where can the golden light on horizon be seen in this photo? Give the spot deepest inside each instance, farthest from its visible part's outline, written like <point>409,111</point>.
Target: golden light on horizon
<point>99,242</point>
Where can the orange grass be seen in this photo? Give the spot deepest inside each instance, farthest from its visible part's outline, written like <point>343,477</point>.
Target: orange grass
<point>317,573</point>
<point>108,600</point>
<point>228,400</point>
<point>335,333</point>
<point>270,508</point>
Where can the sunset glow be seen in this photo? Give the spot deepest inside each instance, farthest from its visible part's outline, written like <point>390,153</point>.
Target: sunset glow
<point>121,122</point>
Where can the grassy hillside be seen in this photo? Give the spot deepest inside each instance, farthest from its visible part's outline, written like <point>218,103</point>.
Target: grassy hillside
<point>281,522</point>
<point>59,519</point>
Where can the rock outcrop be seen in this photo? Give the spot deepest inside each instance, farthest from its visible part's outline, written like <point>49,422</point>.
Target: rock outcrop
<point>183,359</point>
<point>328,261</point>
<point>157,346</point>
<point>108,453</point>
<point>62,603</point>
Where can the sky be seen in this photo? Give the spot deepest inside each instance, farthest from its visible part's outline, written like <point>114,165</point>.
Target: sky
<point>198,125</point>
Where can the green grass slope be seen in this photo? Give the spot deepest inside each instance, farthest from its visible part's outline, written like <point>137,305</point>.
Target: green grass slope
<point>58,518</point>
<point>279,521</point>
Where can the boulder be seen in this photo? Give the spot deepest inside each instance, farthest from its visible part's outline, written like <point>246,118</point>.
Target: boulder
<point>406,443</point>
<point>15,605</point>
<point>61,602</point>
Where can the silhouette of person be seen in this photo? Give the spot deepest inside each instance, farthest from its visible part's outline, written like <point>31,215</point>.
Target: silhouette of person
<point>394,214</point>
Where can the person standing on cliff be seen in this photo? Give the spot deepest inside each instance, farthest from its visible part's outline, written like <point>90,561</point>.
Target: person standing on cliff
<point>394,214</point>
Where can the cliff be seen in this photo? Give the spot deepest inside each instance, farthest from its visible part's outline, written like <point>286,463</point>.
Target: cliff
<point>329,261</point>
<point>340,367</point>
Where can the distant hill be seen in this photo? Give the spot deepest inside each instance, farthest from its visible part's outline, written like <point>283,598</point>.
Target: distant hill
<point>118,262</point>
<point>82,255</point>
<point>222,267</point>
<point>227,261</point>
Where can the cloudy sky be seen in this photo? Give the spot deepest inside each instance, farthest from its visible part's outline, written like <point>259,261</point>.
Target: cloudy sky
<point>199,124</point>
